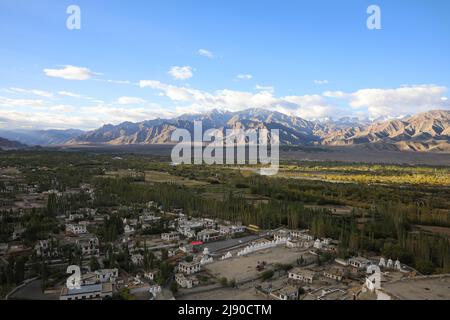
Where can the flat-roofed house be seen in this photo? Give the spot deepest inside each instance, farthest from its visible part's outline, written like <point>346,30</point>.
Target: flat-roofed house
<point>76,228</point>
<point>89,246</point>
<point>186,281</point>
<point>359,262</point>
<point>303,275</point>
<point>334,273</point>
<point>88,292</point>
<point>107,275</point>
<point>189,267</point>
<point>208,235</point>
<point>170,236</point>
<point>285,293</point>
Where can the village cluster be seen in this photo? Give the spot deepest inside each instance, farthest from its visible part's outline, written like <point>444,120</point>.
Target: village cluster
<point>162,253</point>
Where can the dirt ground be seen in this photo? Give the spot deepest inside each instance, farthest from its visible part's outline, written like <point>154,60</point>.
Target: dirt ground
<point>434,229</point>
<point>244,268</point>
<point>246,292</point>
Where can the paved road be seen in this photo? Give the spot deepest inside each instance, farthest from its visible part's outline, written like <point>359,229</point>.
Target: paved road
<point>32,291</point>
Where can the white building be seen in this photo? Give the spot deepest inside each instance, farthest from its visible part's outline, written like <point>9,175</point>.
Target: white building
<point>149,217</point>
<point>230,230</point>
<point>107,275</point>
<point>285,293</point>
<point>299,243</point>
<point>189,267</point>
<point>75,216</point>
<point>46,248</point>
<point>186,282</point>
<point>281,235</point>
<point>76,228</point>
<point>303,275</point>
<point>301,234</point>
<point>150,275</point>
<point>208,235</point>
<point>186,231</point>
<point>89,246</point>
<point>170,236</point>
<point>359,262</point>
<point>318,244</point>
<point>334,273</point>
<point>88,292</point>
<point>128,229</point>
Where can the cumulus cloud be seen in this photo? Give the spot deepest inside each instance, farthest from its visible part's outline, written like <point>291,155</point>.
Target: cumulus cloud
<point>310,106</point>
<point>265,88</point>
<point>67,116</point>
<point>205,53</point>
<point>181,73</point>
<point>130,100</point>
<point>195,100</point>
<point>399,101</point>
<point>70,72</point>
<point>105,113</point>
<point>335,94</point>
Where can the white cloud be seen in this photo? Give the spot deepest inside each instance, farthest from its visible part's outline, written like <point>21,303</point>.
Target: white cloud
<point>62,108</point>
<point>12,119</point>
<point>335,94</point>
<point>265,88</point>
<point>399,101</point>
<point>320,82</point>
<point>199,101</point>
<point>181,73</point>
<point>104,113</point>
<point>69,94</point>
<point>244,76</point>
<point>310,106</point>
<point>114,81</point>
<point>205,53</point>
<point>70,73</point>
<point>36,103</point>
<point>35,92</point>
<point>87,118</point>
<point>130,100</point>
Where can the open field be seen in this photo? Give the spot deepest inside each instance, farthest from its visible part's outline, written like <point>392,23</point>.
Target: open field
<point>244,268</point>
<point>426,288</point>
<point>344,154</point>
<point>164,177</point>
<point>245,292</point>
<point>435,229</point>
<point>437,177</point>
<point>361,154</point>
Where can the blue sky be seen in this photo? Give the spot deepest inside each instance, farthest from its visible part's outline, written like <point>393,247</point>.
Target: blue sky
<point>313,59</point>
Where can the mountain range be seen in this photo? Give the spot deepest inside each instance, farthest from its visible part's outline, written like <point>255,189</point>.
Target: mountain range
<point>41,137</point>
<point>429,131</point>
<point>6,144</point>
